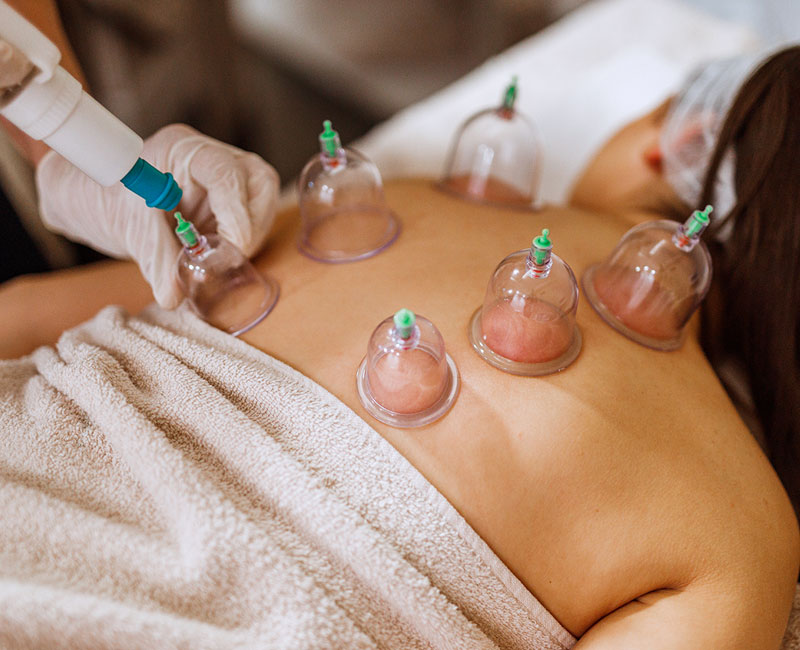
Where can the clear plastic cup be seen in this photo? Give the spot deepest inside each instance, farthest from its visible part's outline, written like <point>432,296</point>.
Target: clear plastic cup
<point>407,379</point>
<point>653,281</point>
<point>222,286</point>
<point>495,157</point>
<point>342,205</point>
<point>526,325</point>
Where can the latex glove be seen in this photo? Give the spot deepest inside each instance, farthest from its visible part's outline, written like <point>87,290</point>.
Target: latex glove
<point>14,66</point>
<point>224,188</point>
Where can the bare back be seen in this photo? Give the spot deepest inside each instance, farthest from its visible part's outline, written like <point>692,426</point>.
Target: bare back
<point>627,474</point>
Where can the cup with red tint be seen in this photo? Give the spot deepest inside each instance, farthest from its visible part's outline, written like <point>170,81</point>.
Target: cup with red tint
<point>407,379</point>
<point>495,156</point>
<point>526,325</point>
<point>653,281</point>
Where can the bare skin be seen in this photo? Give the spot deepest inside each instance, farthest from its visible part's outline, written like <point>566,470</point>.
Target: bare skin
<point>35,309</point>
<point>489,189</point>
<point>624,492</point>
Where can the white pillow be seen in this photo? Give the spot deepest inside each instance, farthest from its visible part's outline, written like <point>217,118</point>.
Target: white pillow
<point>579,80</point>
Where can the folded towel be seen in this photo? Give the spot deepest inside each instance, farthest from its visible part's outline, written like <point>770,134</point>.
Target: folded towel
<point>791,640</point>
<point>163,485</point>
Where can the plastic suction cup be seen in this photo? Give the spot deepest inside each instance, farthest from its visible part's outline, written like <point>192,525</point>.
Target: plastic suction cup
<point>343,209</point>
<point>653,280</point>
<point>222,286</point>
<point>495,156</point>
<point>526,325</point>
<point>407,379</point>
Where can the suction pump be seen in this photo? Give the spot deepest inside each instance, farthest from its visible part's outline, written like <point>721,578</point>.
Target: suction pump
<point>653,281</point>
<point>407,379</point>
<point>526,325</point>
<point>495,156</point>
<point>222,286</point>
<point>342,206</point>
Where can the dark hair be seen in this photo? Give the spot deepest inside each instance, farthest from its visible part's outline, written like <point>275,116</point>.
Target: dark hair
<point>757,271</point>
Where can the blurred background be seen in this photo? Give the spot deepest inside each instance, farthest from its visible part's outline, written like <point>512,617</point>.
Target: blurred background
<point>263,74</point>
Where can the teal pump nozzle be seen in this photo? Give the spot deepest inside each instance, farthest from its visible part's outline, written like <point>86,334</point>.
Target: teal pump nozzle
<point>159,190</point>
<point>510,95</point>
<point>329,140</point>
<point>186,231</point>
<point>404,321</point>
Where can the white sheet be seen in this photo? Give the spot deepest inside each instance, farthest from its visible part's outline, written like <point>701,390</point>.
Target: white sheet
<point>579,80</point>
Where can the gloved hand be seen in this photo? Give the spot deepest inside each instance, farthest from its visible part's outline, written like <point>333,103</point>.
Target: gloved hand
<point>224,188</point>
<point>14,66</point>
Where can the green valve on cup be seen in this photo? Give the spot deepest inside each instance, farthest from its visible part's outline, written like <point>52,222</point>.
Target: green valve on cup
<point>185,231</point>
<point>404,321</point>
<point>329,139</point>
<point>510,95</point>
<point>698,221</point>
<point>541,247</point>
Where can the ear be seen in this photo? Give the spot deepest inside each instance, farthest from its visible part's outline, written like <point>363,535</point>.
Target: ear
<point>652,156</point>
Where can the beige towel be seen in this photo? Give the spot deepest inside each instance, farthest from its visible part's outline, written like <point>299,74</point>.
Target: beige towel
<point>791,640</point>
<point>163,485</point>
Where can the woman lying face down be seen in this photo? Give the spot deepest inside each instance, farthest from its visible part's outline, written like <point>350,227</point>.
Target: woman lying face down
<point>730,138</point>
<point>625,493</point>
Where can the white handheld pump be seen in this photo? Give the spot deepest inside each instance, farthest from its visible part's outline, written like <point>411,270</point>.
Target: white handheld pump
<point>50,105</point>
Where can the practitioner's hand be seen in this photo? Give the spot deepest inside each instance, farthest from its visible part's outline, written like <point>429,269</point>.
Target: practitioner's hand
<point>14,67</point>
<point>224,189</point>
